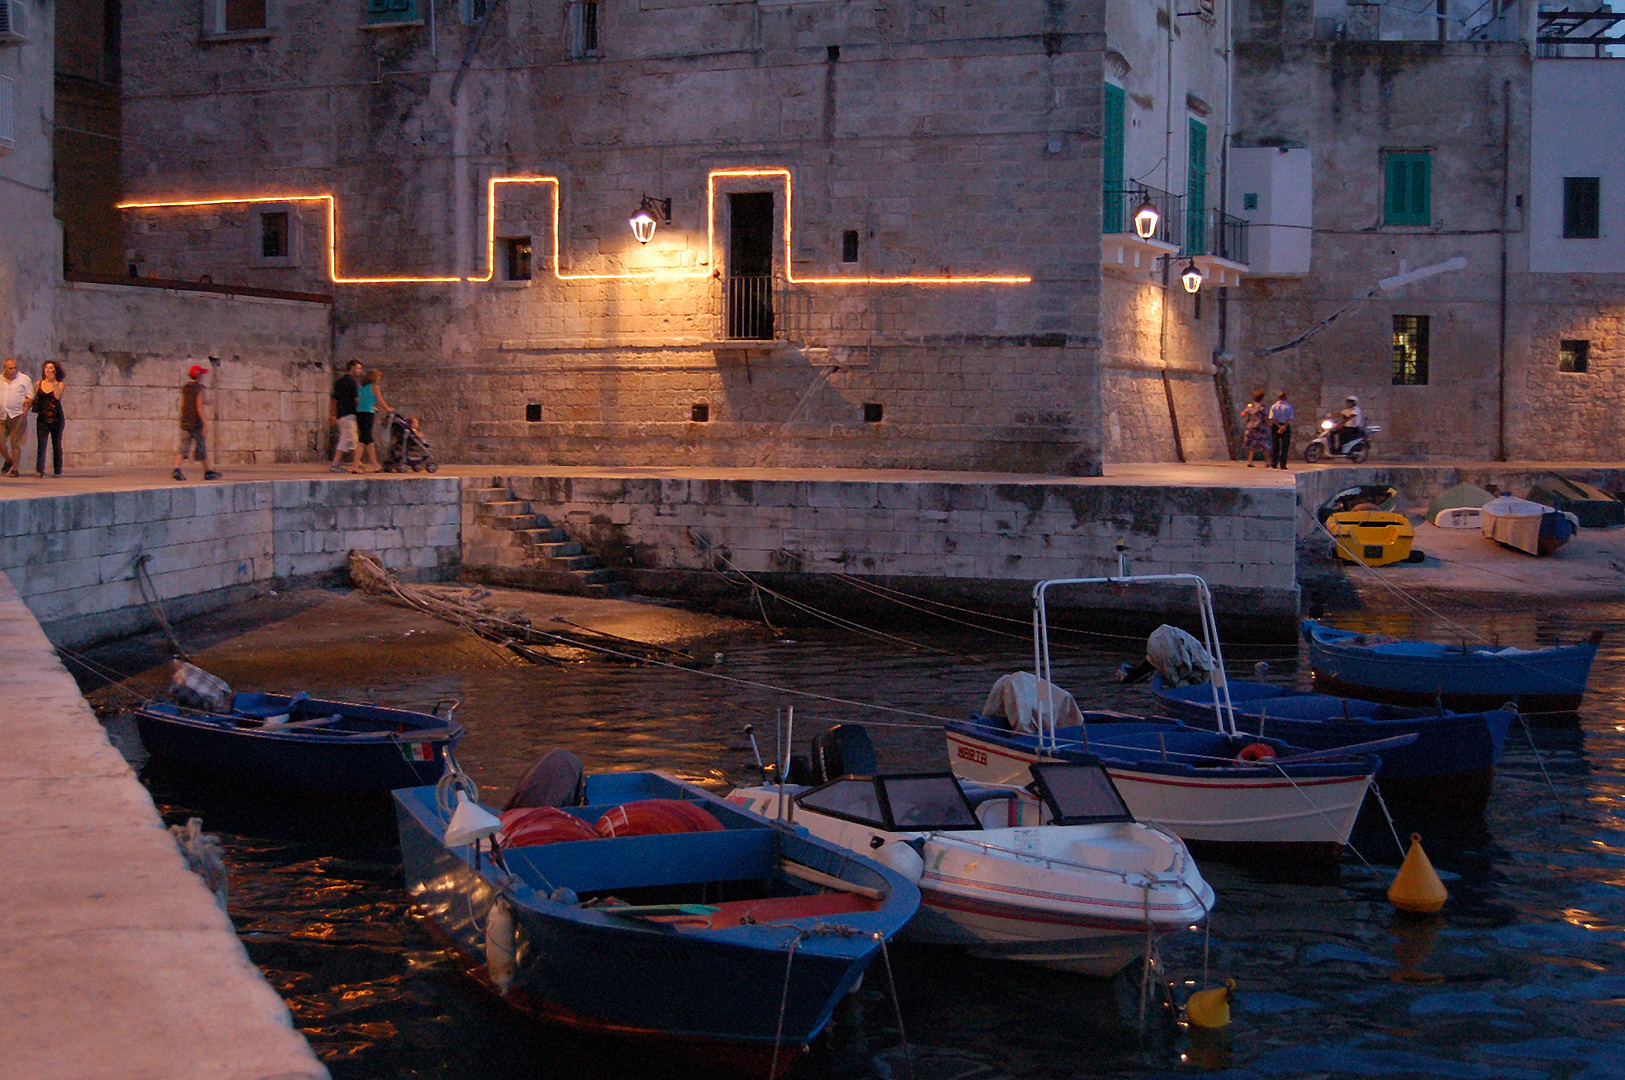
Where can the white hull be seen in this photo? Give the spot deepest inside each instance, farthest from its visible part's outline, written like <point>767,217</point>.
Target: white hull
<point>1267,809</point>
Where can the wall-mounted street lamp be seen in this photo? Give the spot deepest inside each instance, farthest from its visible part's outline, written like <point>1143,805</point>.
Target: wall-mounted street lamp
<point>1146,218</point>
<point>643,222</point>
<point>1192,276</point>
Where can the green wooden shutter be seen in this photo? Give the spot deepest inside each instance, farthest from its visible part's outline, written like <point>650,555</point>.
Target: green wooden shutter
<point>1196,190</point>
<point>1408,190</point>
<point>391,10</point>
<point>1111,164</point>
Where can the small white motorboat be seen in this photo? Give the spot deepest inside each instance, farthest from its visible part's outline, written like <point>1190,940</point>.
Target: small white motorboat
<point>1065,878</point>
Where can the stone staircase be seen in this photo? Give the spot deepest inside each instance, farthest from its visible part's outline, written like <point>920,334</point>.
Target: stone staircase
<point>512,544</point>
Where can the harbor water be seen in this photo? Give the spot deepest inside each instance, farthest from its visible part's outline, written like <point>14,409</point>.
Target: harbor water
<point>1522,976</point>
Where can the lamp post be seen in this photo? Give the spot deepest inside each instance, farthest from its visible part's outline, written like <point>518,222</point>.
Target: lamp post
<point>644,220</point>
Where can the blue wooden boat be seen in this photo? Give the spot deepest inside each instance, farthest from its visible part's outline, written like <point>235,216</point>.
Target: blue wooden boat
<point>1450,763</point>
<point>296,741</point>
<point>732,946</point>
<point>1548,681</point>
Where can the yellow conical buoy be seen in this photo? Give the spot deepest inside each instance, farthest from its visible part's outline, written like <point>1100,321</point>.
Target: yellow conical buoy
<point>1211,1008</point>
<point>1417,886</point>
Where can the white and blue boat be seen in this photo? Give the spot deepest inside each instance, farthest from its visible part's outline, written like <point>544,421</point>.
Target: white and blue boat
<point>1545,681</point>
<point>731,943</point>
<point>1450,763</point>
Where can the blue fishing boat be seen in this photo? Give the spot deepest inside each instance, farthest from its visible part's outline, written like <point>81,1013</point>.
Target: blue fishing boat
<point>731,942</point>
<point>299,742</point>
<point>1548,681</point>
<point>1449,764</point>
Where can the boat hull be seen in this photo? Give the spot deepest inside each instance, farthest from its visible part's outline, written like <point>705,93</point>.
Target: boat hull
<point>1449,765</point>
<point>1542,681</point>
<point>714,994</point>
<point>358,764</point>
<point>1250,809</point>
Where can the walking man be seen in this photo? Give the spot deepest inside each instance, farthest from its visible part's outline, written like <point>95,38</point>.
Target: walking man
<point>345,391</point>
<point>194,424</point>
<point>16,395</point>
<point>1280,431</point>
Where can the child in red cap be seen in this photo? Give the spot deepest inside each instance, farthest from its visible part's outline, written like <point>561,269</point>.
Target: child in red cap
<point>194,424</point>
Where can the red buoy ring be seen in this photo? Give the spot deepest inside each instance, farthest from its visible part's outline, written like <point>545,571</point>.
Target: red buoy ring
<point>1255,752</point>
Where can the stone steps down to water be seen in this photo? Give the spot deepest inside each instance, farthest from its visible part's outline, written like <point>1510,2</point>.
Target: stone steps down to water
<point>508,543</point>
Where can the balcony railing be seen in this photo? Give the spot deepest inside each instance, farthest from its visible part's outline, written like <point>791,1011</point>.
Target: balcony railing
<point>1218,234</point>
<point>748,308</point>
<point>1119,205</point>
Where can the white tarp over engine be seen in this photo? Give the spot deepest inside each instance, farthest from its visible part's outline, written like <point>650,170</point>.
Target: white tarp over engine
<point>1180,658</point>
<point>1016,698</point>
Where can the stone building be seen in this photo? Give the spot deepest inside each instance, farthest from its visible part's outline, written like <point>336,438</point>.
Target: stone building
<point>30,241</point>
<point>876,224</point>
<point>1373,142</point>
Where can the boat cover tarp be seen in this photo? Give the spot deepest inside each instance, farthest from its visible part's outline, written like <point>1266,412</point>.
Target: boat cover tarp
<point>1515,522</point>
<point>1594,507</point>
<point>1460,497</point>
<point>1015,697</point>
<point>1180,658</point>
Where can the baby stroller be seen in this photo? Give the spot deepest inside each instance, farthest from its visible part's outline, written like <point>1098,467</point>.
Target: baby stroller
<point>408,449</point>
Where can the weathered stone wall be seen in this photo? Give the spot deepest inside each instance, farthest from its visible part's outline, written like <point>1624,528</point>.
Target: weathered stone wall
<point>72,557</point>
<point>126,350</point>
<point>30,239</point>
<point>1351,102</point>
<point>952,139</point>
<point>995,539</point>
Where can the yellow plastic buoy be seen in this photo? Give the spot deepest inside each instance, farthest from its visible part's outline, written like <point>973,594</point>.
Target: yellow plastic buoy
<point>1417,886</point>
<point>1211,1008</point>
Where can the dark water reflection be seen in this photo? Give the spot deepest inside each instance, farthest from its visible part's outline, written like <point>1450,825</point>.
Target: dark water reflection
<point>1522,976</point>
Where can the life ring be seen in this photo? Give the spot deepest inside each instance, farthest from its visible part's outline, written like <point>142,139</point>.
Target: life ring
<point>1255,752</point>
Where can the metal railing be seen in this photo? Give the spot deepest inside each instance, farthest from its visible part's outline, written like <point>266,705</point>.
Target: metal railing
<point>1119,204</point>
<point>747,305</point>
<point>1218,234</point>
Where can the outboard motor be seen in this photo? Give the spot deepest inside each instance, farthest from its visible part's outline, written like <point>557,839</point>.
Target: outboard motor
<point>556,780</point>
<point>843,750</point>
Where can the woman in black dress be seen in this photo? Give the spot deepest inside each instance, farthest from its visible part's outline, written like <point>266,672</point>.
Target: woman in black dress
<point>48,418</point>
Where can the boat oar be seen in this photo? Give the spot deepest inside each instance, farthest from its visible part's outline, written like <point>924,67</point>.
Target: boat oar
<point>1390,743</point>
<point>828,881</point>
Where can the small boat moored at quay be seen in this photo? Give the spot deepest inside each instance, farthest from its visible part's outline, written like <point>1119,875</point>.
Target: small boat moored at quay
<point>1449,764</point>
<point>654,911</point>
<point>1547,682</point>
<point>1529,527</point>
<point>1064,878</point>
<point>1248,795</point>
<point>293,741</point>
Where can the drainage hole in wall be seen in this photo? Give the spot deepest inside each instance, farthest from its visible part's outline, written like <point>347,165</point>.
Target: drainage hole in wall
<point>873,412</point>
<point>533,413</point>
<point>701,413</point>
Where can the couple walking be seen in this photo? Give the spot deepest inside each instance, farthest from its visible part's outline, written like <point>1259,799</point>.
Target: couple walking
<point>1273,425</point>
<point>358,396</point>
<point>20,395</point>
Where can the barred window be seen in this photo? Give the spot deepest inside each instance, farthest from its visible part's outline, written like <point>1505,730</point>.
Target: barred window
<point>1410,350</point>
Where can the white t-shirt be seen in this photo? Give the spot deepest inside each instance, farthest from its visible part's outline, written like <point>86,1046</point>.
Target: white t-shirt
<point>15,394</point>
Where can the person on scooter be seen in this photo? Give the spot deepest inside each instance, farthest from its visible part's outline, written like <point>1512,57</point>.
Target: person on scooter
<point>1350,424</point>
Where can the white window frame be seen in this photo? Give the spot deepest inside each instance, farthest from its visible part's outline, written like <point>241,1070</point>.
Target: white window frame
<point>576,29</point>
<point>214,23</point>
<point>256,234</point>
<point>8,115</point>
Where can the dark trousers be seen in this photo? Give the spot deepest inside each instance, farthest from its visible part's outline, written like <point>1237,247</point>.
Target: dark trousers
<point>42,430</point>
<point>1280,444</point>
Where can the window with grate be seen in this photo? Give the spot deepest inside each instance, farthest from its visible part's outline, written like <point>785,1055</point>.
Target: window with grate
<point>1574,356</point>
<point>1407,197</point>
<point>516,258</point>
<point>384,12</point>
<point>1410,350</point>
<point>1582,200</point>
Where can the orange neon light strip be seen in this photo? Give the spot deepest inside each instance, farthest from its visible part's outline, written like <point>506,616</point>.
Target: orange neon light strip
<point>558,272</point>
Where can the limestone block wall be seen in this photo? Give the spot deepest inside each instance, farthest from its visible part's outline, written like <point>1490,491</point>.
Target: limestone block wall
<point>72,557</point>
<point>126,350</point>
<point>998,538</point>
<point>30,237</point>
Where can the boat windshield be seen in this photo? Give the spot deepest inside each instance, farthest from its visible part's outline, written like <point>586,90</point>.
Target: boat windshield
<point>1079,794</point>
<point>851,798</point>
<point>928,802</point>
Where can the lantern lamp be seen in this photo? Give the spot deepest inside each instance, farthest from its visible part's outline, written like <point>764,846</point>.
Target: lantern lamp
<point>643,222</point>
<point>1146,218</point>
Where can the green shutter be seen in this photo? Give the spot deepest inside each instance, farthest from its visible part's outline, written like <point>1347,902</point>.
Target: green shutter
<point>1196,190</point>
<point>1408,190</point>
<point>392,10</point>
<point>1111,163</point>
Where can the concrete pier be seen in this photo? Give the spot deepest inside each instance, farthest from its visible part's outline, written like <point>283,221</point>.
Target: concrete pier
<point>115,961</point>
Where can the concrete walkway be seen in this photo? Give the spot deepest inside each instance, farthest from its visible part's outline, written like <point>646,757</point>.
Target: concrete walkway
<point>115,961</point>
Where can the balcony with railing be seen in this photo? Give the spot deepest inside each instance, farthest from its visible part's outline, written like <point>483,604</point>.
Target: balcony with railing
<point>747,303</point>
<point>1122,247</point>
<point>1217,243</point>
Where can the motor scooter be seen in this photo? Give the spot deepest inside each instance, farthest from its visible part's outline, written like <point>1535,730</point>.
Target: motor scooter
<point>1356,449</point>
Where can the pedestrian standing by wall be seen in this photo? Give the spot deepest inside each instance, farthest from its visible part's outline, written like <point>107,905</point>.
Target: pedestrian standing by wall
<point>1255,438</point>
<point>369,403</point>
<point>49,418</point>
<point>1280,431</point>
<point>346,389</point>
<point>16,396</point>
<point>194,424</point>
